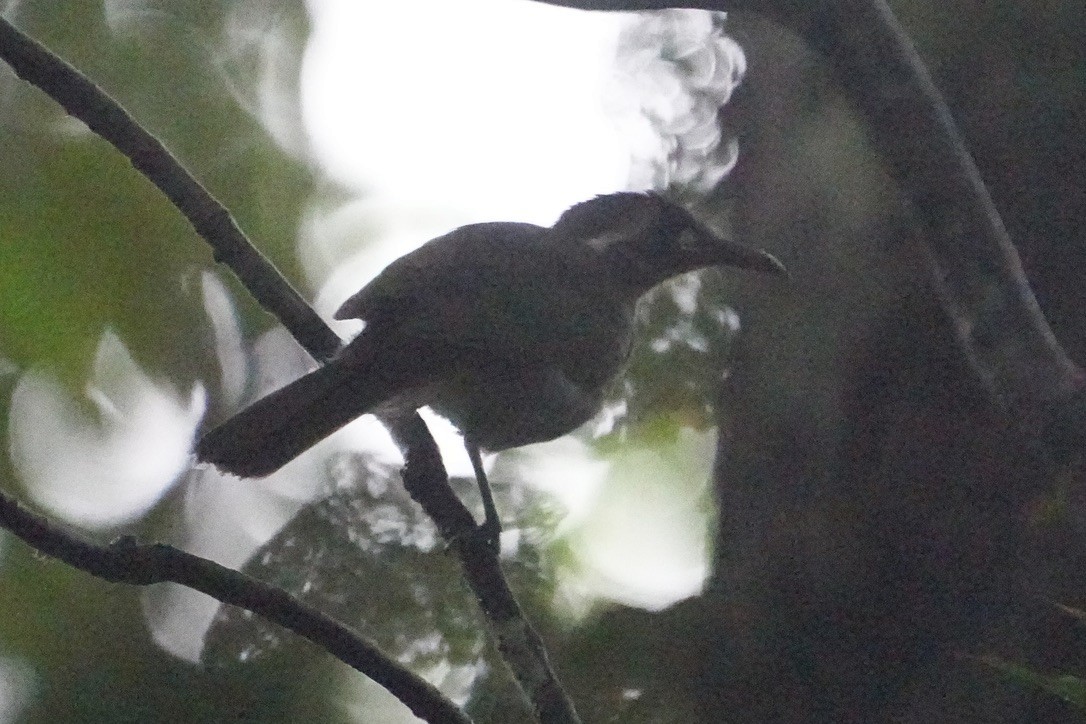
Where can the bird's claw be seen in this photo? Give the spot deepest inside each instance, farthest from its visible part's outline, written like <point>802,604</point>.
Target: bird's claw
<point>486,534</point>
<point>491,534</point>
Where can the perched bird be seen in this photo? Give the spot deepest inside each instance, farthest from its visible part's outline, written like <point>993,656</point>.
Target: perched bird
<point>510,330</point>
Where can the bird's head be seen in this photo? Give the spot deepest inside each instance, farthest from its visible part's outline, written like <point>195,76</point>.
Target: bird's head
<point>644,239</point>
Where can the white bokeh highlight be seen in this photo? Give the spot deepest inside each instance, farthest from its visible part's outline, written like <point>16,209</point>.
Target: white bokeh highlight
<point>647,540</point>
<point>489,107</point>
<point>106,465</point>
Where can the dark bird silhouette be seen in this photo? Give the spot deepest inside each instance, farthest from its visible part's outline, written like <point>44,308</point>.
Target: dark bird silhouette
<point>512,331</point>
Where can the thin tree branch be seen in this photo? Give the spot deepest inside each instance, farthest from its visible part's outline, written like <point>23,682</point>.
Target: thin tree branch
<point>977,270</point>
<point>978,274</point>
<point>425,475</point>
<point>518,642</point>
<point>126,561</point>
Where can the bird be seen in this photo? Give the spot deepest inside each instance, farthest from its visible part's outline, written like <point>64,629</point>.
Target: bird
<point>510,330</point>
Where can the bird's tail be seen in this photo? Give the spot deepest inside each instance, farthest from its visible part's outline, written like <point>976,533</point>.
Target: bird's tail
<point>281,426</point>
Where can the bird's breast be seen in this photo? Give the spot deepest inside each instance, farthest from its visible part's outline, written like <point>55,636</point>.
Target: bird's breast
<point>594,339</point>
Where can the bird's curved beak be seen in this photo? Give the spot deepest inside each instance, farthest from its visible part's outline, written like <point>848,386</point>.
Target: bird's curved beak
<point>708,249</point>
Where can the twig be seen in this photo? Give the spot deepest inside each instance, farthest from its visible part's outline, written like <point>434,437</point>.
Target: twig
<point>126,561</point>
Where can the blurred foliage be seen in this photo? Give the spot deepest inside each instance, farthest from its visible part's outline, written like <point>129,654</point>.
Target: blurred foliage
<point>679,360</point>
<point>369,556</point>
<point>1071,689</point>
<point>86,243</point>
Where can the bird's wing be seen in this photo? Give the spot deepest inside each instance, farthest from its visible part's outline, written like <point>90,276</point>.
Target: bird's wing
<point>468,287</point>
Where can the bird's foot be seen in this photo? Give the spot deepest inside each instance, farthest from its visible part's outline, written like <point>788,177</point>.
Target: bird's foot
<point>486,534</point>
<point>490,533</point>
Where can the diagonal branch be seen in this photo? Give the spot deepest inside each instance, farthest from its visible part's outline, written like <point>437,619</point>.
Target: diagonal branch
<point>977,271</point>
<point>126,561</point>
